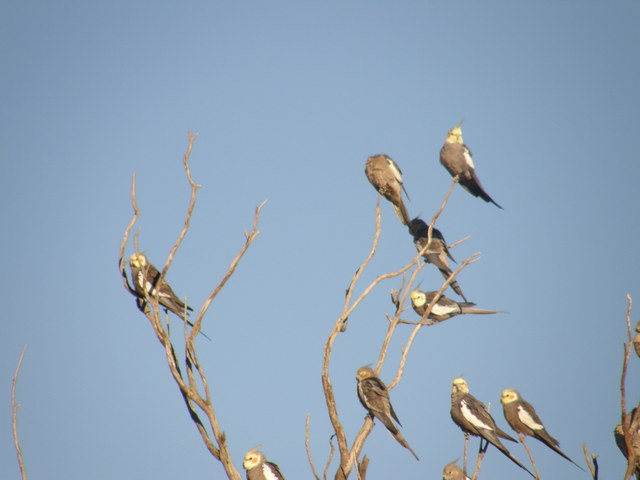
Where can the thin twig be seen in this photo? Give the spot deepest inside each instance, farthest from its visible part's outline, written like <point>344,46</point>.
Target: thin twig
<point>455,244</point>
<point>345,464</point>
<point>332,450</point>
<point>464,455</point>
<point>476,471</point>
<point>521,437</point>
<point>361,468</point>
<point>122,263</point>
<point>306,447</point>
<point>249,238</point>
<point>592,462</point>
<point>14,419</point>
<point>395,321</point>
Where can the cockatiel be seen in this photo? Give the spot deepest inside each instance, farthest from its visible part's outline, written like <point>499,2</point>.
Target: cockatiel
<point>385,176</point>
<point>455,156</point>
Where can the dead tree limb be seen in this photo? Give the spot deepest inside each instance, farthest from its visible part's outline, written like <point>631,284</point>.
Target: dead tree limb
<point>14,417</point>
<point>592,462</point>
<point>197,403</point>
<point>629,423</point>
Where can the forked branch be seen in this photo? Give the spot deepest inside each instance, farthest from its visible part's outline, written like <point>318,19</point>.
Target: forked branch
<point>349,456</point>
<point>197,403</point>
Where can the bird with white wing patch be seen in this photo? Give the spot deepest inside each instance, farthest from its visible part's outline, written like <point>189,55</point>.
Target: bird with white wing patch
<point>456,157</point>
<point>523,418</point>
<point>258,468</point>
<point>444,307</point>
<point>146,279</point>
<point>471,416</point>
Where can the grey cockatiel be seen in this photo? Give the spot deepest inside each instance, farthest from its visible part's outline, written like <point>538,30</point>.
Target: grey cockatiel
<point>258,468</point>
<point>437,252</point>
<point>472,417</point>
<point>444,307</point>
<point>145,278</point>
<point>522,417</point>
<point>374,396</point>
<point>385,176</point>
<point>456,157</point>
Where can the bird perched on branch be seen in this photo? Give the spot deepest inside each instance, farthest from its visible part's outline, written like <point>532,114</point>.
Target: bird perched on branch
<point>374,396</point>
<point>437,252</point>
<point>452,471</point>
<point>145,278</point>
<point>258,468</point>
<point>385,176</point>
<point>444,308</point>
<point>471,416</point>
<point>634,431</point>
<point>455,156</point>
<point>522,417</point>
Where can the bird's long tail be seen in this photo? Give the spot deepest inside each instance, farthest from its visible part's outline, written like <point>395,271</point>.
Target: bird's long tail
<point>506,453</point>
<point>559,452</point>
<point>475,188</point>
<point>478,310</point>
<point>455,286</point>
<point>402,441</point>
<point>402,213</point>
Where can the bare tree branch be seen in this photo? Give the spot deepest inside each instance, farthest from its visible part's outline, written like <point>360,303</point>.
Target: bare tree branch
<point>306,447</point>
<point>249,238</point>
<point>194,400</point>
<point>125,238</point>
<point>521,437</point>
<point>591,461</point>
<point>464,455</point>
<point>340,326</point>
<point>332,450</point>
<point>476,470</point>
<point>14,418</point>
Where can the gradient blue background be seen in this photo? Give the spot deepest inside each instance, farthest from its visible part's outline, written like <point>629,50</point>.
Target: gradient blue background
<point>289,99</point>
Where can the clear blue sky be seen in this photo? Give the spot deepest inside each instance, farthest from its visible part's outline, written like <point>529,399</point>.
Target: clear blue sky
<point>289,99</point>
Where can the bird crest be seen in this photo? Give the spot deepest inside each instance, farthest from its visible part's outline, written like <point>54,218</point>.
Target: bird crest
<point>455,134</point>
<point>254,450</point>
<point>459,385</point>
<point>365,372</point>
<point>253,458</point>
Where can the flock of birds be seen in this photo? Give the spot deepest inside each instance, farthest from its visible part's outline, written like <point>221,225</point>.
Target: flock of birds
<point>467,412</point>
